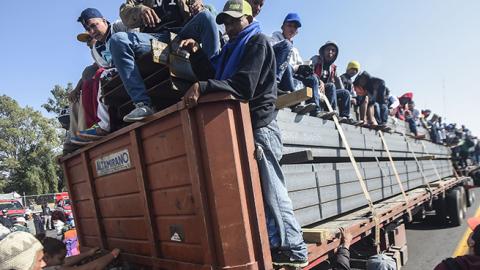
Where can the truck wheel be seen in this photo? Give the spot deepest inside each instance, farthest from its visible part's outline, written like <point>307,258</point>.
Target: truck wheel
<point>440,206</point>
<point>420,215</point>
<point>454,206</point>
<point>470,197</point>
<point>463,196</point>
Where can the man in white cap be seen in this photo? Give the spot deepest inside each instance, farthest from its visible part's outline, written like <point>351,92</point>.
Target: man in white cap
<point>20,251</point>
<point>245,67</point>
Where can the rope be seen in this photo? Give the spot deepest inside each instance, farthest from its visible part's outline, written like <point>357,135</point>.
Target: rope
<point>397,177</point>
<point>431,161</point>
<point>425,181</point>
<point>357,170</point>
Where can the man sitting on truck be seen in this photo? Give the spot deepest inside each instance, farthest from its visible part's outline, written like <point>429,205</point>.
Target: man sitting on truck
<point>156,20</point>
<point>326,70</point>
<point>246,68</point>
<point>292,74</point>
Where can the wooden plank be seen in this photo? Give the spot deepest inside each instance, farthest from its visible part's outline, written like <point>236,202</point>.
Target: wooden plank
<point>294,98</point>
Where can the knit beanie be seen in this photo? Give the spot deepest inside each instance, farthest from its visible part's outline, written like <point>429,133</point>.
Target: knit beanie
<point>18,251</point>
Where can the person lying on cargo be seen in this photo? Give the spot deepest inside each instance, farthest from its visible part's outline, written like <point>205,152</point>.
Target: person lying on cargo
<point>326,70</point>
<point>353,68</point>
<point>412,116</point>
<point>20,250</point>
<point>292,74</point>
<point>472,259</point>
<point>55,257</point>
<point>156,19</point>
<point>245,68</point>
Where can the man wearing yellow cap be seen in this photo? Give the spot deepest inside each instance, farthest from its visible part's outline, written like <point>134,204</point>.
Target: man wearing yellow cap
<point>245,68</point>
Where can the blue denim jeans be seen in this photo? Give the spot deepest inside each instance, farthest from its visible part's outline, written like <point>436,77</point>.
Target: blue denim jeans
<point>381,113</point>
<point>125,47</point>
<point>284,232</point>
<point>412,125</point>
<point>338,98</point>
<point>282,51</point>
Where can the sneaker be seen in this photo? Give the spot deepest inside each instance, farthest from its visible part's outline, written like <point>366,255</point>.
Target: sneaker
<point>280,259</point>
<point>348,121</point>
<point>79,141</point>
<point>326,115</point>
<point>139,113</point>
<point>304,109</point>
<point>69,147</point>
<point>419,136</point>
<point>93,133</point>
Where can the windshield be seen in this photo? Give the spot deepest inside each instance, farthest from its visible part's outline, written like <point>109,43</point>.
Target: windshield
<point>10,206</point>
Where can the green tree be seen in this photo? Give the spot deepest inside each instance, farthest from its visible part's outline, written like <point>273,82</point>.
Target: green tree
<point>59,99</point>
<point>29,143</point>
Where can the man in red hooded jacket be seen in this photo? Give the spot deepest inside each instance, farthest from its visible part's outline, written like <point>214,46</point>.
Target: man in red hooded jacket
<point>470,261</point>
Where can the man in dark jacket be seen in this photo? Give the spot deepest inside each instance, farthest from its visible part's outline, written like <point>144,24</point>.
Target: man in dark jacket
<point>375,90</point>
<point>470,261</point>
<point>245,68</point>
<point>326,71</point>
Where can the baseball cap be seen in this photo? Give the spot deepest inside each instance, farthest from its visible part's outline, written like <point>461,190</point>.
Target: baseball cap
<point>293,17</point>
<point>235,9</point>
<point>89,13</point>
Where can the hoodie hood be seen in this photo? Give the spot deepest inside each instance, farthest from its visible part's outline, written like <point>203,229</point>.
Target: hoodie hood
<point>322,49</point>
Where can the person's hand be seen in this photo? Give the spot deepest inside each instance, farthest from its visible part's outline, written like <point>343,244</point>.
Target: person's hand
<point>192,95</point>
<point>115,252</point>
<point>345,238</point>
<point>149,17</point>
<point>74,96</point>
<point>391,112</point>
<point>189,45</point>
<point>196,7</point>
<point>92,251</point>
<point>354,101</point>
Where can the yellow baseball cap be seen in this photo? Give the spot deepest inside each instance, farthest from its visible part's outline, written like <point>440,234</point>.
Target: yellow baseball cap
<point>235,9</point>
<point>353,64</point>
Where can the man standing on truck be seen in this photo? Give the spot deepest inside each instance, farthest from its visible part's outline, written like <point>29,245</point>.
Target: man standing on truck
<point>246,68</point>
<point>156,20</point>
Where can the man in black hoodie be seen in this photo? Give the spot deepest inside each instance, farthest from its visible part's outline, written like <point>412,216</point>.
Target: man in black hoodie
<point>374,90</point>
<point>246,68</point>
<point>326,71</point>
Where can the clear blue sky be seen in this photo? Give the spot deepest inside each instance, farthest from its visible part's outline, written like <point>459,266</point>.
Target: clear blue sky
<point>430,47</point>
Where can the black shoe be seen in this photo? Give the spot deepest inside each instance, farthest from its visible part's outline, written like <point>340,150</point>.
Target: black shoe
<point>280,259</point>
<point>304,109</point>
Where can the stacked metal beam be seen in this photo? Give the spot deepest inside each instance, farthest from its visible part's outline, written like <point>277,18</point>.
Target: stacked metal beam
<point>323,189</point>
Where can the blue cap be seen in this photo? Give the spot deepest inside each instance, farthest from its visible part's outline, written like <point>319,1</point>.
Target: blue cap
<point>293,17</point>
<point>89,13</point>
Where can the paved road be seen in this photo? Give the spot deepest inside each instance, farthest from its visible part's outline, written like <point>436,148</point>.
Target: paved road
<point>429,243</point>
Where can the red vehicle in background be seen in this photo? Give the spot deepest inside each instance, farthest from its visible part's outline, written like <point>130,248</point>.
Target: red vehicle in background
<point>14,208</point>
<point>62,200</point>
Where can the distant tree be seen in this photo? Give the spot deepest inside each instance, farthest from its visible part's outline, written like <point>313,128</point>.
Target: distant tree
<point>29,143</point>
<point>59,99</point>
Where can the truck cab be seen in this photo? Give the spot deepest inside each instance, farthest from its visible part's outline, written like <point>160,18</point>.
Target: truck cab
<point>14,208</point>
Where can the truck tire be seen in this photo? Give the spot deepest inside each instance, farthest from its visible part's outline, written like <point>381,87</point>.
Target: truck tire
<point>454,206</point>
<point>464,199</point>
<point>440,206</point>
<point>470,197</point>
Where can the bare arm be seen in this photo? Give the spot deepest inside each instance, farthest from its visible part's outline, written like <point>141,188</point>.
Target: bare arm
<point>98,264</point>
<point>73,260</point>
